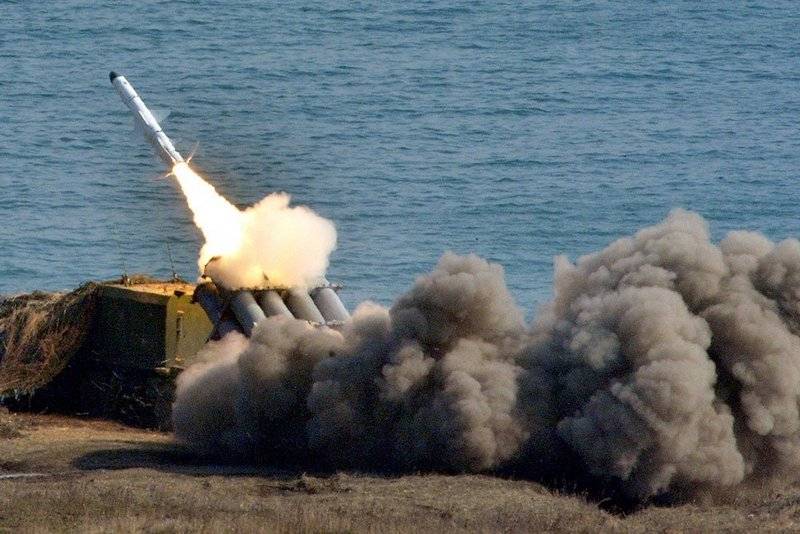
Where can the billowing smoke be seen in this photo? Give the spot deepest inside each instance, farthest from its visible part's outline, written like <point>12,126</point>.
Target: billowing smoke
<point>663,361</point>
<point>430,383</point>
<point>621,357</point>
<point>269,242</point>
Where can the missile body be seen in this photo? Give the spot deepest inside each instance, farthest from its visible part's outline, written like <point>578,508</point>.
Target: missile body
<point>145,120</point>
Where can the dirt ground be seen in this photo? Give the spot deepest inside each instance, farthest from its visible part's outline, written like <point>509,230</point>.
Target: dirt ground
<point>68,474</point>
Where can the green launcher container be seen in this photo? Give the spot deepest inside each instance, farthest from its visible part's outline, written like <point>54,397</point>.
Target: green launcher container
<point>153,326</point>
<point>142,335</point>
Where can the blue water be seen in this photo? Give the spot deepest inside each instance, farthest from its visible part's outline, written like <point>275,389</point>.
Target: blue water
<point>518,132</point>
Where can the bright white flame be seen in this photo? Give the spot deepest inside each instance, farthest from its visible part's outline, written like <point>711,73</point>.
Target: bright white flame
<point>219,220</point>
<point>269,243</point>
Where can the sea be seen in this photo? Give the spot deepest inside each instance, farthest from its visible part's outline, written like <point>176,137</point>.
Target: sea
<point>517,131</point>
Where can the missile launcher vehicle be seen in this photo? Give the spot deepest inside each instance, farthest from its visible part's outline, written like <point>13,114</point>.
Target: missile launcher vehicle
<point>134,336</point>
<point>113,349</point>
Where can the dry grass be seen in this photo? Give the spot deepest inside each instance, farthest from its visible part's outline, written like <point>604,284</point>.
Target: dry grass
<point>103,477</point>
<point>9,426</point>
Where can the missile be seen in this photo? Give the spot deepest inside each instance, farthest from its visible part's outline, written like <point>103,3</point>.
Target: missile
<point>145,120</point>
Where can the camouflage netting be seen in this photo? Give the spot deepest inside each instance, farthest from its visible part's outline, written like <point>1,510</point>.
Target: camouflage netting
<point>40,332</point>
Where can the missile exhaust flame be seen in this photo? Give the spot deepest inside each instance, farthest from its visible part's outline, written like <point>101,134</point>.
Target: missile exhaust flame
<point>220,221</point>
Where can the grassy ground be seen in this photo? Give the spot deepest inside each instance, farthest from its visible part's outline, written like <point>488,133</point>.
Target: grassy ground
<point>62,474</point>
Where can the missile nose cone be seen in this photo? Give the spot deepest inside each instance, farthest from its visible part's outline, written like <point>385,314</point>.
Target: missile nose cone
<point>112,75</point>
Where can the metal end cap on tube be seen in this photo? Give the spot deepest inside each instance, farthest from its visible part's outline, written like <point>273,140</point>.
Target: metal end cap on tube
<point>112,75</point>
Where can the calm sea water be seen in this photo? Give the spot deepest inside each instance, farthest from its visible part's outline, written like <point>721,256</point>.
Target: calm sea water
<point>518,132</point>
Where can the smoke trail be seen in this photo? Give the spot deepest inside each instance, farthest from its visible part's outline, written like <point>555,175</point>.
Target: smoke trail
<point>669,361</point>
<point>629,380</point>
<point>270,241</point>
<point>663,361</point>
<point>757,348</point>
<point>427,384</point>
<point>205,406</point>
<point>247,398</point>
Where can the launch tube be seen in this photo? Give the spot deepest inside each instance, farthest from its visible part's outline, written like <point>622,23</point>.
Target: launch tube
<point>329,304</point>
<point>246,310</point>
<point>302,307</point>
<point>272,304</point>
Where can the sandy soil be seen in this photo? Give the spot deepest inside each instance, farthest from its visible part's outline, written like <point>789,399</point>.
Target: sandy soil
<point>70,474</point>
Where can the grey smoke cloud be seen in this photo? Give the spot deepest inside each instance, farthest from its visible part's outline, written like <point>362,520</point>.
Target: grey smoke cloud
<point>430,384</point>
<point>663,361</point>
